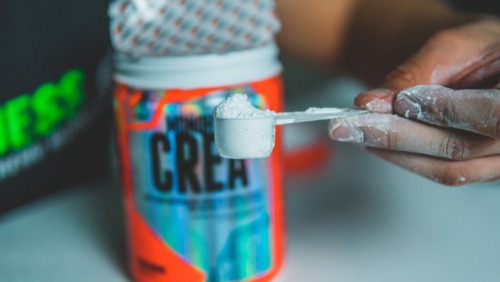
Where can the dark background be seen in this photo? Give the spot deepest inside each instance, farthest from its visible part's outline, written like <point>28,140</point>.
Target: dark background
<point>40,41</point>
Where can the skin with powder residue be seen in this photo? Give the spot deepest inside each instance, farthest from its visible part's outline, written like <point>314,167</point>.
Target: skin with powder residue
<point>371,128</point>
<point>378,106</point>
<point>442,106</point>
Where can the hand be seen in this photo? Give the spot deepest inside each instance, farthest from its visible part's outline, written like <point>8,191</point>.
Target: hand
<point>447,134</point>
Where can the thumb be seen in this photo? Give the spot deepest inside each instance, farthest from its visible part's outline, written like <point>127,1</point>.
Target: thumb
<point>462,57</point>
<point>423,68</point>
<point>437,62</point>
<point>416,71</point>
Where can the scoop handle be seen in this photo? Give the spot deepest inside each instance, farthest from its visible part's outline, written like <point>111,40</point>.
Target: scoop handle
<point>295,117</point>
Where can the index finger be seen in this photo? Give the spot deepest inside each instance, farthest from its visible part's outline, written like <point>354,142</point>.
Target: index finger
<point>473,110</point>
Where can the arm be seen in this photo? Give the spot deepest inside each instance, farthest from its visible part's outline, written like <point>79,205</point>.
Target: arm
<point>448,134</point>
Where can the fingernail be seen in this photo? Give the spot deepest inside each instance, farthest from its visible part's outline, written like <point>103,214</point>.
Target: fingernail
<point>375,100</point>
<point>407,106</point>
<point>345,133</point>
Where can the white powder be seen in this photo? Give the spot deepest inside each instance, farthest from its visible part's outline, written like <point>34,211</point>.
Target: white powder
<point>324,110</point>
<point>238,106</point>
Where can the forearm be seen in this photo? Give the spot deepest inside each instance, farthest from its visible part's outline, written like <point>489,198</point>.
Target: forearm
<point>365,37</point>
<point>385,33</point>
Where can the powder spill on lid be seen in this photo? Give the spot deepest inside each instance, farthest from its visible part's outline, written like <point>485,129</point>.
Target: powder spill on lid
<point>238,106</point>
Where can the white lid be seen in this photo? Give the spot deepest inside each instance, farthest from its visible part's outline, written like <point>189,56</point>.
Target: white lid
<point>188,72</point>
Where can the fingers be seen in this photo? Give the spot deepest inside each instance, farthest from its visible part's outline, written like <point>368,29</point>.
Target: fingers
<point>465,57</point>
<point>471,110</point>
<point>397,133</point>
<point>447,172</point>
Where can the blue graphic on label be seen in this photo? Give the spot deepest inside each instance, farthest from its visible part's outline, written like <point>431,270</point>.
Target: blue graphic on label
<point>212,211</point>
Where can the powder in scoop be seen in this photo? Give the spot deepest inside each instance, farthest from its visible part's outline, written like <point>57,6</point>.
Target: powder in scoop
<point>238,106</point>
<point>241,130</point>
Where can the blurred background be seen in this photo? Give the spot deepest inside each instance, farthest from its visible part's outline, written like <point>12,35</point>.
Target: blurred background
<point>350,216</point>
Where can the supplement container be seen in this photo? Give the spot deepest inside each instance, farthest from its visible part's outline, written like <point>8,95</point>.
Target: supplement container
<point>191,214</point>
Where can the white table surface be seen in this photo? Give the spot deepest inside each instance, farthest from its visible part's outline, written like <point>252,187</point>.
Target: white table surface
<point>360,219</point>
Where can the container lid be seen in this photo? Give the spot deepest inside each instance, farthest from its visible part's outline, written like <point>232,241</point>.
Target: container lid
<point>200,71</point>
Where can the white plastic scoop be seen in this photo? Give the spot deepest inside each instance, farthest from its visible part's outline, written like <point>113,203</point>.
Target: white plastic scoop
<point>243,131</point>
